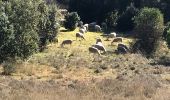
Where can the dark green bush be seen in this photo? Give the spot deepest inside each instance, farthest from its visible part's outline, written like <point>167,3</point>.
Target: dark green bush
<point>168,37</point>
<point>149,29</point>
<point>125,21</point>
<point>71,21</point>
<point>21,26</point>
<point>48,26</point>
<point>111,20</point>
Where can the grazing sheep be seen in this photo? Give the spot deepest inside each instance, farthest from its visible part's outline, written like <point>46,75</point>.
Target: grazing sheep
<point>91,27</point>
<point>80,35</point>
<point>98,40</point>
<point>100,47</point>
<point>98,28</point>
<point>66,42</point>
<point>86,25</point>
<point>122,50</point>
<point>94,50</point>
<point>82,30</point>
<point>80,24</point>
<point>112,35</point>
<point>118,39</point>
<point>85,29</point>
<point>123,45</point>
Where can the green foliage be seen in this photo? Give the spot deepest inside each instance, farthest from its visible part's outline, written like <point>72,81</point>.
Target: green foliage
<point>125,21</point>
<point>71,21</point>
<point>48,23</point>
<point>21,24</point>
<point>149,29</point>
<point>111,19</point>
<point>168,37</point>
<point>9,67</point>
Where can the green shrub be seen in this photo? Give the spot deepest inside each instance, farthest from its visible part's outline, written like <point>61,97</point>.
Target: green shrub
<point>71,21</point>
<point>125,21</point>
<point>149,29</point>
<point>22,24</point>
<point>168,37</point>
<point>10,66</point>
<point>111,20</point>
<point>48,26</point>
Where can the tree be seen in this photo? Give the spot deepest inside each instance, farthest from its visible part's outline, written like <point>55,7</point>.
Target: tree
<point>126,21</point>
<point>168,37</point>
<point>22,23</point>
<point>6,36</point>
<point>111,20</point>
<point>71,20</point>
<point>149,29</point>
<point>47,24</point>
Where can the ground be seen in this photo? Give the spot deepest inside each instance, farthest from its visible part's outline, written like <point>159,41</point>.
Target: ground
<point>72,73</point>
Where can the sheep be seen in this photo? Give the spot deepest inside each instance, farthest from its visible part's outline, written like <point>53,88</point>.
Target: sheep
<point>123,45</point>
<point>122,50</point>
<point>98,28</point>
<point>82,30</point>
<point>118,39</point>
<point>66,42</point>
<point>94,50</point>
<point>91,27</point>
<point>98,40</point>
<point>100,47</point>
<point>86,25</point>
<point>80,35</point>
<point>112,35</point>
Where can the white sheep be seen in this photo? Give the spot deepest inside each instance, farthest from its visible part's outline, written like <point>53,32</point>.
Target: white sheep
<point>82,30</point>
<point>80,35</point>
<point>94,50</point>
<point>98,28</point>
<point>66,42</point>
<point>118,39</point>
<point>98,40</point>
<point>100,47</point>
<point>86,25</point>
<point>112,35</point>
<point>124,46</point>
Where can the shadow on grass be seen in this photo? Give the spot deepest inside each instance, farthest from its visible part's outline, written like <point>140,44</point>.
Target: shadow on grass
<point>65,30</point>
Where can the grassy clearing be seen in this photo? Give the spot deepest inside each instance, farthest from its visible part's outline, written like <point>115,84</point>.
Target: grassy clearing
<point>71,61</point>
<point>70,73</point>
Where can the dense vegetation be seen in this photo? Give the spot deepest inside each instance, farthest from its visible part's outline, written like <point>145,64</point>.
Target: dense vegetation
<point>71,21</point>
<point>97,10</point>
<point>24,25</point>
<point>149,26</point>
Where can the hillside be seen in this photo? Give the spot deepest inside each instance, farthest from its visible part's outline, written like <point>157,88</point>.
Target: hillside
<point>72,73</point>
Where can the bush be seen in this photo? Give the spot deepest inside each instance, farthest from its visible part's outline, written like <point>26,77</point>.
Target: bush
<point>18,29</point>
<point>168,37</point>
<point>111,20</point>
<point>71,21</point>
<point>21,26</point>
<point>10,66</point>
<point>126,21</point>
<point>149,29</point>
<point>48,26</point>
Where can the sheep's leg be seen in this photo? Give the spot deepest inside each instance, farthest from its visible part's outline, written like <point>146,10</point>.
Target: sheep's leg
<point>94,58</point>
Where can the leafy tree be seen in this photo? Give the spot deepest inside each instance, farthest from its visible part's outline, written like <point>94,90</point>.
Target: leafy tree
<point>149,29</point>
<point>6,36</point>
<point>22,24</point>
<point>71,20</point>
<point>168,37</point>
<point>111,20</point>
<point>125,21</point>
<point>48,23</point>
